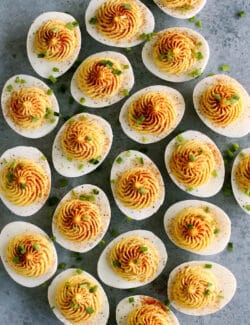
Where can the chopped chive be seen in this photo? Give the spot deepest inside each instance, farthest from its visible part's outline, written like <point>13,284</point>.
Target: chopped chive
<point>214,173</point>
<point>185,8</point>
<point>89,310</point>
<point>142,191</point>
<point>198,23</point>
<point>225,67</point>
<point>220,296</point>
<point>128,49</point>
<point>242,14</point>
<point>63,182</point>
<point>88,138</point>
<point>170,55</point>
<point>207,292</point>
<point>52,307</point>
<point>191,157</point>
<point>199,44</point>
<point>143,249</point>
<point>57,114</point>
<point>190,226</point>
<point>55,69</point>
<point>235,147</point>
<point>140,120</point>
<point>93,161</point>
<point>109,64</point>
<point>9,88</point>
<point>80,166</point>
<point>247,191</point>
<point>247,207</point>
<point>192,19</point>
<point>22,81</point>
<point>114,233</point>
<point>93,21</point>
<point>102,242</point>
<point>119,160</point>
<point>93,289</point>
<point>49,92</point>
<point>54,30</point>
<point>207,209</point>
<point>79,271</point>
<point>210,74</point>
<point>82,100</point>
<point>128,153</point>
<point>95,191</point>
<point>117,72</point>
<point>198,55</point>
<point>167,303</point>
<point>91,198</point>
<point>52,79</point>
<point>195,73</point>
<point>17,80</point>
<point>180,138</point>
<point>125,92</point>
<point>41,55</point>
<point>16,259</point>
<point>217,96</point>
<point>141,160</point>
<point>216,231</point>
<point>53,238</point>
<point>131,299</point>
<point>72,25</point>
<point>35,119</point>
<point>127,6</point>
<point>128,219</point>
<point>116,263</point>
<point>208,266</point>
<point>125,66</point>
<point>36,247</point>
<point>227,191</point>
<point>189,189</point>
<point>230,247</point>
<point>61,266</point>
<point>84,284</point>
<point>147,37</point>
<point>21,249</point>
<point>230,154</point>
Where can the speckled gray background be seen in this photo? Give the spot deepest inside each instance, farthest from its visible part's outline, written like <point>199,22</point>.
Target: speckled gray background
<point>228,37</point>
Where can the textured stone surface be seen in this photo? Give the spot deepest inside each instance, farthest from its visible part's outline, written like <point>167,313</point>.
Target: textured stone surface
<point>228,37</point>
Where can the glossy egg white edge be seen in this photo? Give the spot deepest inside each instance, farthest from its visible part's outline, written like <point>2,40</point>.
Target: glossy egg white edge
<point>236,129</point>
<point>31,153</point>
<point>242,198</point>
<point>124,308</point>
<point>30,81</point>
<point>111,278</point>
<point>178,103</point>
<point>100,318</point>
<point>69,168</point>
<point>43,67</point>
<point>223,223</point>
<point>148,25</point>
<point>226,282</point>
<point>130,160</point>
<point>199,64</point>
<point>185,14</point>
<point>16,228</point>
<point>214,185</point>
<point>127,81</point>
<point>101,201</point>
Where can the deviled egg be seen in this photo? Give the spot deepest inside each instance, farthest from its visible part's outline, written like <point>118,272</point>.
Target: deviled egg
<point>81,219</point>
<point>131,260</point>
<point>195,164</point>
<point>27,253</point>
<point>240,179</point>
<point>200,287</point>
<point>182,9</point>
<point>102,79</point>
<point>223,105</point>
<point>118,23</point>
<point>197,226</point>
<point>25,180</point>
<point>29,106</point>
<point>137,185</point>
<point>76,297</point>
<point>152,113</point>
<point>81,145</point>
<point>176,54</point>
<point>53,44</point>
<point>140,309</point>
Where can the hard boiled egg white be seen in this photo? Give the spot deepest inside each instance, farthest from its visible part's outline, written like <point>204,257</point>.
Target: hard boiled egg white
<point>23,152</point>
<point>69,168</point>
<point>226,282</point>
<point>242,198</point>
<point>16,228</point>
<point>215,183</point>
<point>42,66</point>
<point>17,82</point>
<point>148,25</point>
<point>130,159</point>
<point>182,13</point>
<point>147,56</point>
<point>236,129</point>
<point>100,318</point>
<point>101,201</point>
<point>128,304</point>
<point>179,106</point>
<point>111,278</point>
<point>223,224</point>
<point>126,83</point>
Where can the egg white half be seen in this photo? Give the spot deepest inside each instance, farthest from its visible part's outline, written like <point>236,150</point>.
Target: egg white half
<point>225,279</point>
<point>13,229</point>
<point>101,200</point>
<point>179,106</point>
<point>131,159</point>
<point>200,65</point>
<point>236,129</point>
<point>30,81</point>
<point>69,168</point>
<point>223,224</point>
<point>100,318</point>
<point>181,14</point>
<point>111,278</point>
<point>214,185</point>
<point>241,197</point>
<point>124,308</point>
<point>31,153</point>
<point>148,25</point>
<point>127,81</point>
<point>42,66</point>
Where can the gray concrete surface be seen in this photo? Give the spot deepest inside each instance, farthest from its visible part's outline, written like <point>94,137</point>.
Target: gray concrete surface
<point>228,37</point>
